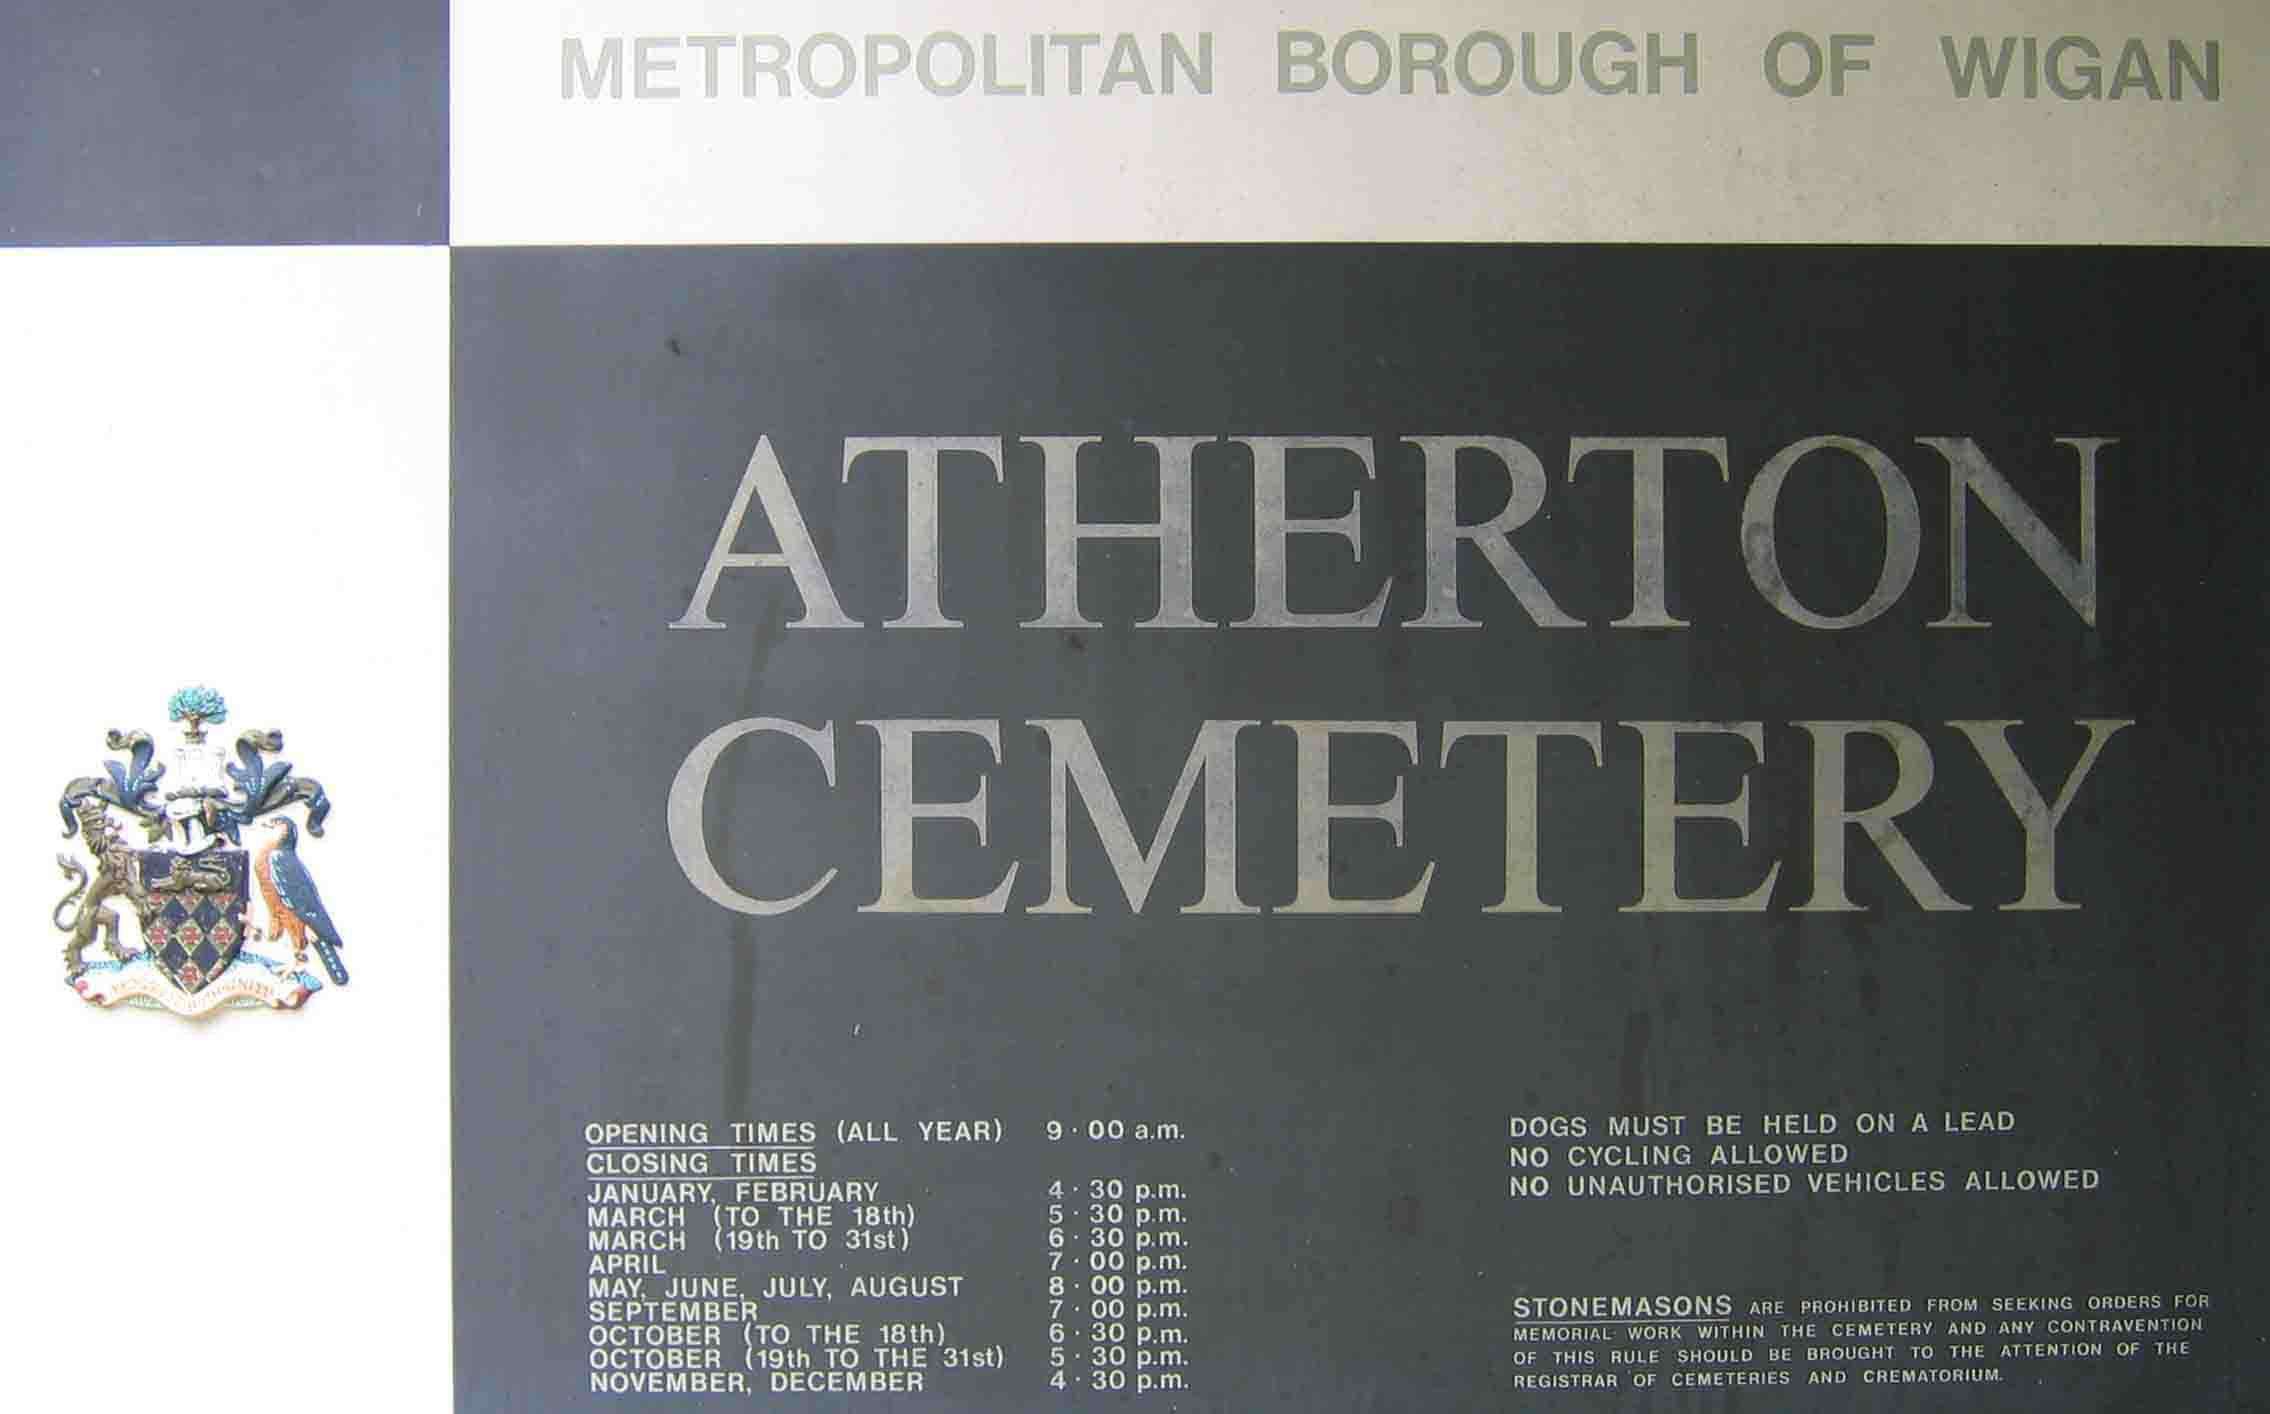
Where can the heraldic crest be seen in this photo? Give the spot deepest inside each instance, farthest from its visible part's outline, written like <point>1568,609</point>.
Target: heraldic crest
<point>187,891</point>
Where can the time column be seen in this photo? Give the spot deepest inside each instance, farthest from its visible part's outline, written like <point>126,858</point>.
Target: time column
<point>1118,1269</point>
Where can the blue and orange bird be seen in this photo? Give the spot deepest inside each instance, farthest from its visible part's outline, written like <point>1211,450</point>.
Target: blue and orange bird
<point>295,909</point>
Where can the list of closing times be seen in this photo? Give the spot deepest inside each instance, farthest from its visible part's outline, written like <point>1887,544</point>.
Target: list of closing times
<point>860,1255</point>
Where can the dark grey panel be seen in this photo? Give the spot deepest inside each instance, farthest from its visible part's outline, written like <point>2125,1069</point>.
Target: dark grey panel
<point>1348,1082</point>
<point>240,122</point>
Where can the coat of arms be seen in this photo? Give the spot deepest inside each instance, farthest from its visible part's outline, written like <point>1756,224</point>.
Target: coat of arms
<point>186,893</point>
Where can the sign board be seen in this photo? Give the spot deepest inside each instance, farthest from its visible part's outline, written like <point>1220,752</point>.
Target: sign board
<point>1040,709</point>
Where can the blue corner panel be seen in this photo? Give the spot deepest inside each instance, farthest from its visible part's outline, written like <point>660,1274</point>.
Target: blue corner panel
<point>231,122</point>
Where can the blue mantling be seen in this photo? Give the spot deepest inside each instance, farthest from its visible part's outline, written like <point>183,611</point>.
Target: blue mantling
<point>266,785</point>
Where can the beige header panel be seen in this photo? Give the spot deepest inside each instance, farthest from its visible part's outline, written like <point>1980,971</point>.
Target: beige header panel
<point>1714,120</point>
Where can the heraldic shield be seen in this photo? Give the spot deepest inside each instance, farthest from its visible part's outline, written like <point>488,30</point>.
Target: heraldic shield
<point>198,905</point>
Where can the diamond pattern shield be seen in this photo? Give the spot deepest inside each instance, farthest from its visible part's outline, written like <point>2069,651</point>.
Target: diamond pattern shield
<point>197,923</point>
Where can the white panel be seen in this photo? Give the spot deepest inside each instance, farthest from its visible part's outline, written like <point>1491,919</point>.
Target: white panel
<point>230,467</point>
<point>1898,157</point>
